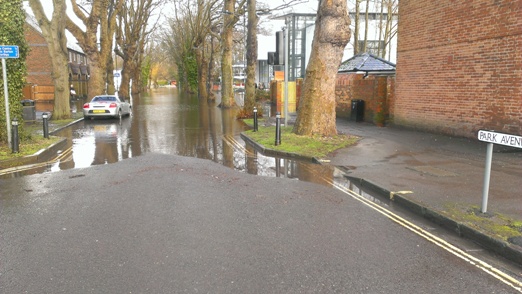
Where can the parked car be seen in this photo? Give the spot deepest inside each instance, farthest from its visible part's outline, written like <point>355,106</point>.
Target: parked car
<point>106,106</point>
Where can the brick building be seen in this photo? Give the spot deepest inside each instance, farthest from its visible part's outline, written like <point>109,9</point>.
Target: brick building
<point>459,66</point>
<point>367,78</point>
<point>40,86</point>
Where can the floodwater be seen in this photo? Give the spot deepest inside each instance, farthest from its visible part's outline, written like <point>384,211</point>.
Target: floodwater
<point>165,121</point>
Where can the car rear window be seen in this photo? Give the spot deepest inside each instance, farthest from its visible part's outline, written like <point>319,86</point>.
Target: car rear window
<point>104,98</point>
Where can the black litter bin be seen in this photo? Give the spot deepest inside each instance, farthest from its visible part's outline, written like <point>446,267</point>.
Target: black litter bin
<point>29,112</point>
<point>357,113</point>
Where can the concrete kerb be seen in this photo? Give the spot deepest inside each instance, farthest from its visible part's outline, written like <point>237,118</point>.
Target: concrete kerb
<point>276,153</point>
<point>41,155</point>
<point>500,247</point>
<point>68,125</point>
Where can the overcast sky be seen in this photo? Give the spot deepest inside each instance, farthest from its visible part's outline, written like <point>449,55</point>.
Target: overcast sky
<point>265,43</point>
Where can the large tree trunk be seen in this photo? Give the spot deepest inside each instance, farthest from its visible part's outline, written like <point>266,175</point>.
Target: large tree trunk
<point>111,88</point>
<point>62,107</point>
<point>251,58</point>
<point>96,39</point>
<point>125,81</point>
<point>202,73</point>
<point>98,77</point>
<point>227,91</point>
<point>54,34</point>
<point>316,114</point>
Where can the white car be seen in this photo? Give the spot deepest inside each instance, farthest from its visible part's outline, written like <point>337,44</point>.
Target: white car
<point>106,106</point>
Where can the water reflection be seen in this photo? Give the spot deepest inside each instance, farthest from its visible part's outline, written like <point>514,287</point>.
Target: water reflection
<point>165,121</point>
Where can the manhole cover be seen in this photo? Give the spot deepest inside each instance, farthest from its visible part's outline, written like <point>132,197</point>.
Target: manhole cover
<point>433,171</point>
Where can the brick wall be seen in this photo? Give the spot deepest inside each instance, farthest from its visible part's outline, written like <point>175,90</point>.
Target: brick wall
<point>459,66</point>
<point>38,61</point>
<point>377,92</point>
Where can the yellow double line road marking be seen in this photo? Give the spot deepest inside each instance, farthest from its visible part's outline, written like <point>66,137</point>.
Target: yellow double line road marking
<point>498,274</point>
<point>66,155</point>
<point>505,278</point>
<point>231,140</point>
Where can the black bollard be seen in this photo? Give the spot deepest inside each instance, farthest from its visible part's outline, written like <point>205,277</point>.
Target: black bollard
<point>16,138</point>
<point>255,119</point>
<point>278,129</point>
<point>45,125</point>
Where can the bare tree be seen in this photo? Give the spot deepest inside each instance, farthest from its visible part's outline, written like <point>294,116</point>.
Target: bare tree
<point>356,28</point>
<point>54,33</point>
<point>251,58</point>
<point>316,114</point>
<point>230,18</point>
<point>132,31</point>
<point>390,30</point>
<point>101,19</point>
<point>366,26</point>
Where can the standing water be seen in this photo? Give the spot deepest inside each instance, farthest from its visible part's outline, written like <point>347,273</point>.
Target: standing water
<point>168,122</point>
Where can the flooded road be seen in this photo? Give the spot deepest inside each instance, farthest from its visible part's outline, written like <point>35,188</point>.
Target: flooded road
<point>165,121</point>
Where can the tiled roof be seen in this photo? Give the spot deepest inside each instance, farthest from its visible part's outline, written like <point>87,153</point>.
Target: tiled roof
<point>366,62</point>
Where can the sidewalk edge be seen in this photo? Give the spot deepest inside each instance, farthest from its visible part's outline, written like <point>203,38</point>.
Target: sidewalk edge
<point>489,242</point>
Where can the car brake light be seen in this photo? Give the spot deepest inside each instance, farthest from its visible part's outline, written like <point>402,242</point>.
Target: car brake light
<point>86,105</point>
<point>113,105</point>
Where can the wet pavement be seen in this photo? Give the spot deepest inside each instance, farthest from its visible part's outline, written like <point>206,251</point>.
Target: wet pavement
<point>162,223</point>
<point>439,177</point>
<point>430,174</point>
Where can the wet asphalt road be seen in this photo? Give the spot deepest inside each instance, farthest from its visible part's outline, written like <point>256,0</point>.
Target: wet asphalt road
<point>169,224</point>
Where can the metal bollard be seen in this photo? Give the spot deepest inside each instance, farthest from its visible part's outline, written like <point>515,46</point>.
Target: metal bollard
<point>16,138</point>
<point>45,125</point>
<point>255,119</point>
<point>278,129</point>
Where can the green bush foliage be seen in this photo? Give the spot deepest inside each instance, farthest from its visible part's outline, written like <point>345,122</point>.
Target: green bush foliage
<point>12,20</point>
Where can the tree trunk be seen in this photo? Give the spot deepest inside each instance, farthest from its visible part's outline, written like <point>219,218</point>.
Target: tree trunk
<point>125,80</point>
<point>227,91</point>
<point>54,34</point>
<point>60,75</point>
<point>111,88</point>
<point>202,72</point>
<point>316,114</point>
<point>98,77</point>
<point>251,58</point>
<point>356,28</point>
<point>366,25</point>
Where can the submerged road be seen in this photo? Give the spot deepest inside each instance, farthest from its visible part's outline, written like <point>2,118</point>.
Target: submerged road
<point>169,224</point>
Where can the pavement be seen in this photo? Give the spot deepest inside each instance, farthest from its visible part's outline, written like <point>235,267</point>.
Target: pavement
<point>440,178</point>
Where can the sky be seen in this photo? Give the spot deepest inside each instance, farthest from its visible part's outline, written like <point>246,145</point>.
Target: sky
<point>265,43</point>
<point>268,43</point>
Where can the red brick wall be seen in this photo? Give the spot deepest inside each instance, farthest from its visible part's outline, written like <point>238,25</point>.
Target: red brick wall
<point>375,91</point>
<point>38,61</point>
<point>459,66</point>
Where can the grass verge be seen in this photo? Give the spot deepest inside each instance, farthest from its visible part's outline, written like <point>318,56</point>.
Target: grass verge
<point>496,224</point>
<point>315,146</point>
<point>35,141</point>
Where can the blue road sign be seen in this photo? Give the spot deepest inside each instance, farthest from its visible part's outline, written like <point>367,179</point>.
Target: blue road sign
<point>9,51</point>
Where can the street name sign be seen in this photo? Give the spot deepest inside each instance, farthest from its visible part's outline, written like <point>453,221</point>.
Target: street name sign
<point>9,51</point>
<point>500,138</point>
<point>491,138</point>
